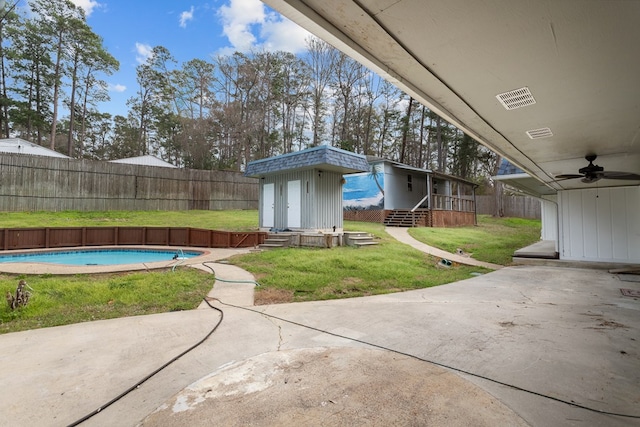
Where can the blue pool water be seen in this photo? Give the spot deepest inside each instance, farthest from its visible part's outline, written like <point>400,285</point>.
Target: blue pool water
<point>99,256</point>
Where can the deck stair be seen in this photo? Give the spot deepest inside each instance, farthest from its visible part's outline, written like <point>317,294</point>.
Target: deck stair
<point>276,240</point>
<point>406,218</point>
<point>358,239</point>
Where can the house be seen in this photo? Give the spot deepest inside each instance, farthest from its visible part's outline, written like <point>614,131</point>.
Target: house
<point>400,195</point>
<point>542,86</point>
<point>20,146</point>
<point>302,191</point>
<point>147,160</point>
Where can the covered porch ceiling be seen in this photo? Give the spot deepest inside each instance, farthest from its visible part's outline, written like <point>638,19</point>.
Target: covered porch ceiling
<point>574,65</point>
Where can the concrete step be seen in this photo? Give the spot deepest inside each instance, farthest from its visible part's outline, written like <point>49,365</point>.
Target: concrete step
<point>359,238</point>
<point>271,240</point>
<point>270,246</point>
<point>276,241</point>
<point>356,233</point>
<point>370,243</point>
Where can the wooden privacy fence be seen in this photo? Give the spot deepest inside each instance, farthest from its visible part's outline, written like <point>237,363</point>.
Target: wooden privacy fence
<point>61,237</point>
<point>512,206</point>
<point>37,183</point>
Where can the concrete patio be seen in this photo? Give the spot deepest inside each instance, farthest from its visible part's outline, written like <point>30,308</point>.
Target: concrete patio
<point>559,333</point>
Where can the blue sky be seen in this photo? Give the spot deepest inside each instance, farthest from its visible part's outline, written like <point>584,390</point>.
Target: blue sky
<point>188,29</point>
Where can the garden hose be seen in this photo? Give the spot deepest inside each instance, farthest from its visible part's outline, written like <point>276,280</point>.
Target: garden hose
<point>226,280</point>
<point>146,378</point>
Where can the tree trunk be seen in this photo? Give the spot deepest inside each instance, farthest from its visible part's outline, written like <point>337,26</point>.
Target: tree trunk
<point>405,130</point>
<point>56,91</point>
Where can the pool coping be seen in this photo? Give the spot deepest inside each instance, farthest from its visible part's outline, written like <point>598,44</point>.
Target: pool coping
<point>208,254</point>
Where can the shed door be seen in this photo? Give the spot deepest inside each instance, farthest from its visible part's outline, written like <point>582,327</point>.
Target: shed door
<point>294,211</point>
<point>268,196</point>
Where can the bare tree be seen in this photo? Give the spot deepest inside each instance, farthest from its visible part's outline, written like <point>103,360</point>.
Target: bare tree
<point>348,74</point>
<point>322,59</point>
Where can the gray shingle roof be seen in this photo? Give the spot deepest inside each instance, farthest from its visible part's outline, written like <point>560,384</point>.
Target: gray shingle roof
<point>322,157</point>
<point>506,168</point>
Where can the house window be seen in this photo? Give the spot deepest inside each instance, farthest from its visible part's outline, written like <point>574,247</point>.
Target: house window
<point>409,182</point>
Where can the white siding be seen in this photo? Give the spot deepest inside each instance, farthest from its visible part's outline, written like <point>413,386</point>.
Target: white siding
<point>327,211</point>
<point>549,211</point>
<point>396,188</point>
<point>600,224</point>
<point>320,200</point>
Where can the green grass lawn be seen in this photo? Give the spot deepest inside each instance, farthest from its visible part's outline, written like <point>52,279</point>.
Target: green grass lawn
<point>62,300</point>
<point>236,220</point>
<point>492,240</point>
<point>304,274</point>
<point>285,275</point>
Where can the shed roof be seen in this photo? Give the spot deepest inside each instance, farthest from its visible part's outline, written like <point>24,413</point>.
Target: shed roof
<point>147,160</point>
<point>322,157</point>
<point>512,175</point>
<point>508,168</point>
<point>21,146</point>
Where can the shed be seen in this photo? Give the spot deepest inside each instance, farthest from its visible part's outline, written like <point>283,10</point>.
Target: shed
<point>302,191</point>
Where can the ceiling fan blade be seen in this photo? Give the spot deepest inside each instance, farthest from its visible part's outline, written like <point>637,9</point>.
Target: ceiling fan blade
<point>621,175</point>
<point>590,179</point>
<point>569,176</point>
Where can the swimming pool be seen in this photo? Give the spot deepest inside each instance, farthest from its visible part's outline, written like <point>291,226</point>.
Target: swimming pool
<point>99,256</point>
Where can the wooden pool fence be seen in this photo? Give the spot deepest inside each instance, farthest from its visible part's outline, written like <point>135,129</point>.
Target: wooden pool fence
<point>62,237</point>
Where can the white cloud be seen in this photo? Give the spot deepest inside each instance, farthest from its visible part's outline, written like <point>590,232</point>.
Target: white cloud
<point>87,5</point>
<point>237,21</point>
<point>143,52</point>
<point>279,33</point>
<point>117,88</point>
<point>185,17</point>
<point>247,25</point>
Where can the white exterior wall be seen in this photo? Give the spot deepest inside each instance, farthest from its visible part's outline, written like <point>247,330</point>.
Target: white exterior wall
<point>320,200</point>
<point>549,215</point>
<point>396,188</point>
<point>600,224</point>
<point>325,202</point>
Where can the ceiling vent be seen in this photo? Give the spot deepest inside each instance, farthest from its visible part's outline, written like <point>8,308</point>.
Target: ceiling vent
<point>516,98</point>
<point>539,133</point>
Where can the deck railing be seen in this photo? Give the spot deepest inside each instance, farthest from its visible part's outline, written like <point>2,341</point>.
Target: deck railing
<point>451,203</point>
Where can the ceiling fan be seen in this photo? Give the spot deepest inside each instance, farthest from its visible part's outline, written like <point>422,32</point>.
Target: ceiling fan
<point>592,173</point>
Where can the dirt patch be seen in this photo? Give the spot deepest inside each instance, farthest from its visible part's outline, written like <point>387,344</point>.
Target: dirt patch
<point>507,324</point>
<point>264,296</point>
<point>603,323</point>
<point>611,324</point>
